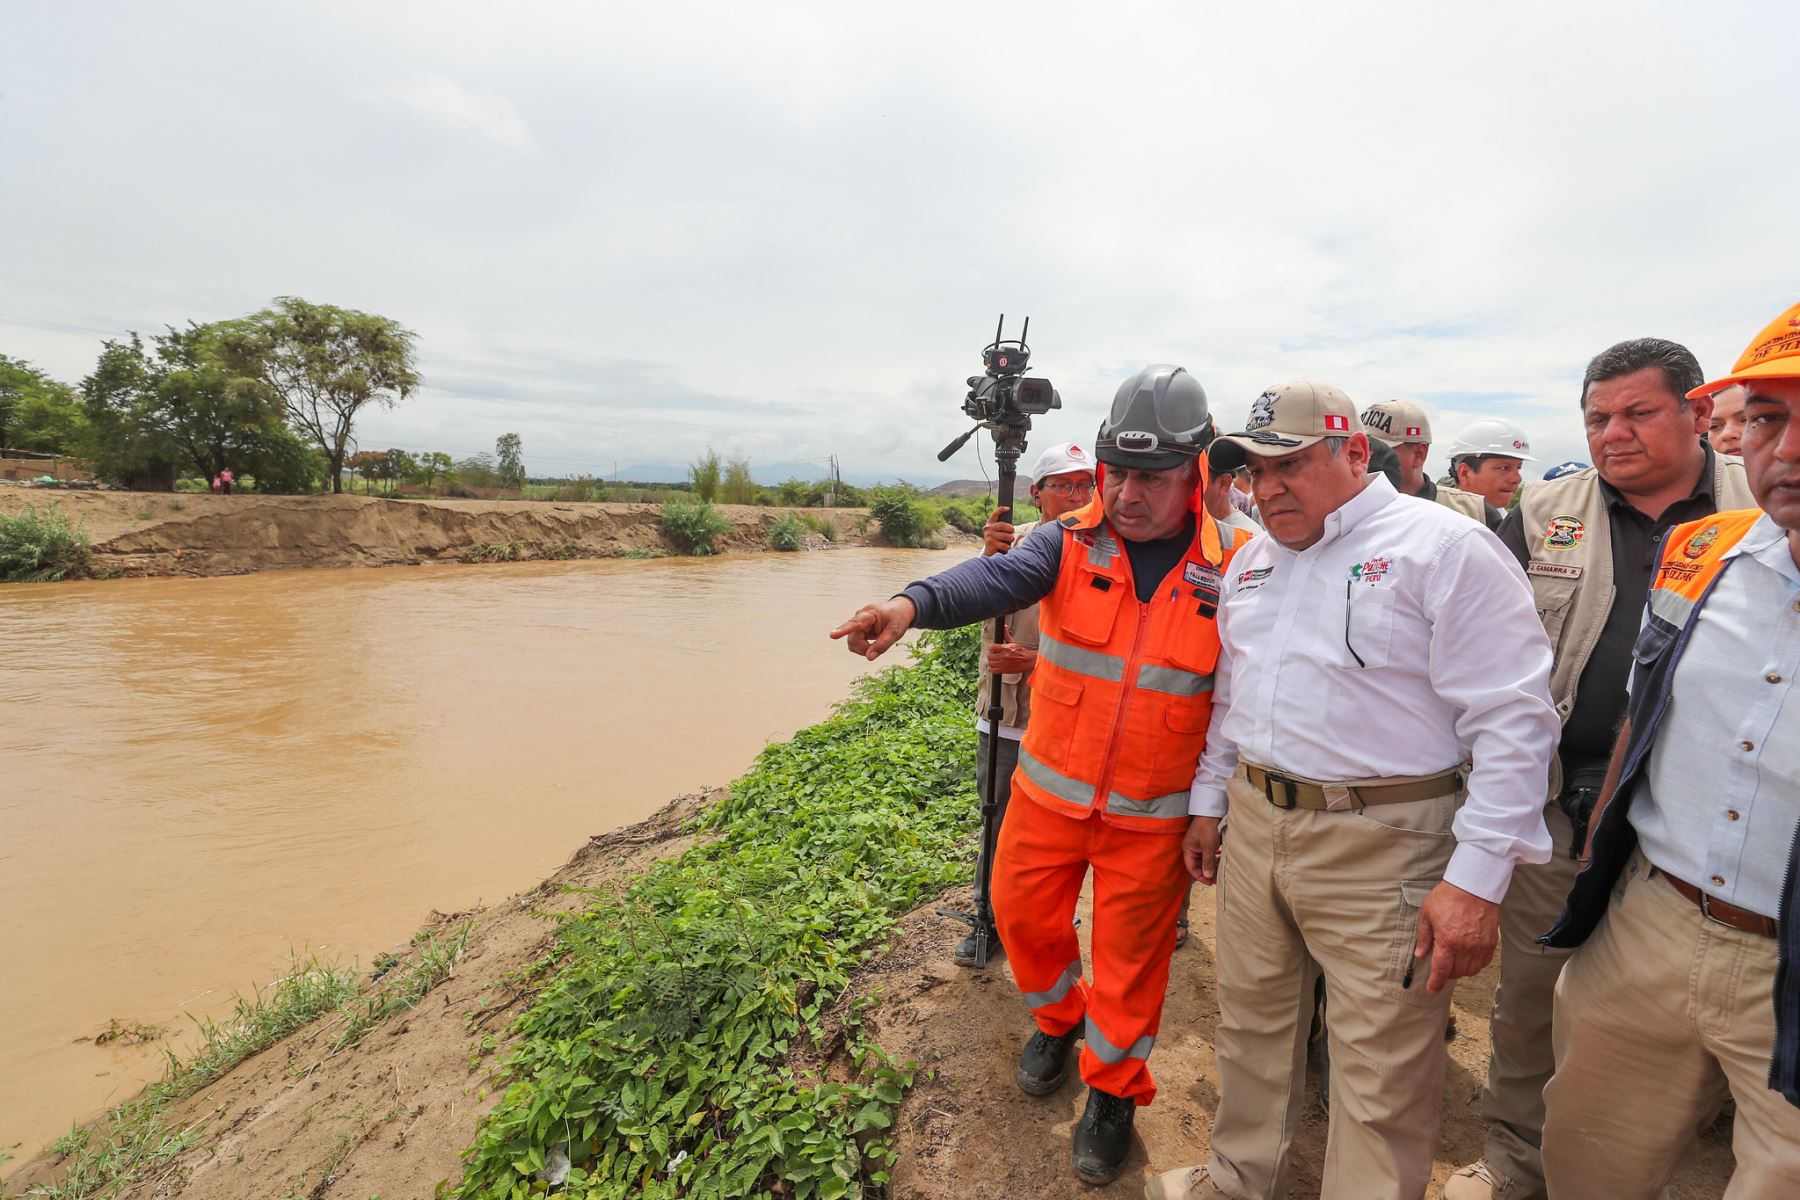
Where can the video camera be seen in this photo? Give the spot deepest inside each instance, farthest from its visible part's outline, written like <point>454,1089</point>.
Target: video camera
<point>1004,398</point>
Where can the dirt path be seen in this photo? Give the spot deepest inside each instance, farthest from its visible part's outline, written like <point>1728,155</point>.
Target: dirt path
<point>159,533</point>
<point>967,1130</point>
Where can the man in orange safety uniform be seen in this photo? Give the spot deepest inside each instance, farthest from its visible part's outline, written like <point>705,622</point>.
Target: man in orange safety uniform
<point>1127,589</point>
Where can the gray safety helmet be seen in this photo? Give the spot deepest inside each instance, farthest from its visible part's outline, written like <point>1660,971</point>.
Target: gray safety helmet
<point>1159,420</point>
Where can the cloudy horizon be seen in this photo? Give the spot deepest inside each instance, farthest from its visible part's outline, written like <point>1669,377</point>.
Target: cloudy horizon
<point>784,231</point>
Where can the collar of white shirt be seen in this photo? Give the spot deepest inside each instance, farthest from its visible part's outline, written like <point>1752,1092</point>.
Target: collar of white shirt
<point>1377,494</point>
<point>1767,544</point>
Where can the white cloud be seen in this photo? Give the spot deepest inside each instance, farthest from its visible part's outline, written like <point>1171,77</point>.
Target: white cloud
<point>787,228</point>
<point>460,108</point>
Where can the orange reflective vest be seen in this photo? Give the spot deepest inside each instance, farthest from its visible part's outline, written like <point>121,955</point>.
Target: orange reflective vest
<point>1122,692</point>
<point>1691,557</point>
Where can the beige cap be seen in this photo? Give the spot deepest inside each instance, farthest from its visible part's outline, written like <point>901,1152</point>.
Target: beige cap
<point>1397,422</point>
<point>1285,419</point>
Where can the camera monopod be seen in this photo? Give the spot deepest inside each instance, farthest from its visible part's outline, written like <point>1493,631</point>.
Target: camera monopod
<point>1001,401</point>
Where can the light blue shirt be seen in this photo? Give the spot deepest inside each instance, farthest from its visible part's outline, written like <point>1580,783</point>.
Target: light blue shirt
<point>1719,799</point>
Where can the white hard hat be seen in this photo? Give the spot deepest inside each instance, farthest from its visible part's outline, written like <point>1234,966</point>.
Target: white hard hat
<point>1061,459</point>
<point>1492,435</point>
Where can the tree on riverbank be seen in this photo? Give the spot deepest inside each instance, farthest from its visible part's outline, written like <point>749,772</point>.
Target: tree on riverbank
<point>37,412</point>
<point>326,364</point>
<point>190,401</point>
<point>510,451</point>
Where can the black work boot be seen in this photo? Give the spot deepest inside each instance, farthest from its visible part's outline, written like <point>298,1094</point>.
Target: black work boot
<point>964,954</point>
<point>1044,1063</point>
<point>1102,1137</point>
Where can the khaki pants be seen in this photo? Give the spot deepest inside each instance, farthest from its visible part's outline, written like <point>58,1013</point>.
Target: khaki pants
<point>1522,1058</point>
<point>1658,1016</point>
<point>1341,890</point>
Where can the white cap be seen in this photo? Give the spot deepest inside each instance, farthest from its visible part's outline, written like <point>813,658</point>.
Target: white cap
<point>1492,436</point>
<point>1061,460</point>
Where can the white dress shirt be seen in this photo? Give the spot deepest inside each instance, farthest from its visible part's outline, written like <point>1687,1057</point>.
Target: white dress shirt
<point>1718,801</point>
<point>1453,664</point>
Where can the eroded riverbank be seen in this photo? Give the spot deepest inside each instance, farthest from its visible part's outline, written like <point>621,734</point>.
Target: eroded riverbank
<point>159,534</point>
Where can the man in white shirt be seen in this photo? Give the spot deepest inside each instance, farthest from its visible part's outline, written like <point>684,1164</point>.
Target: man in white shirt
<point>1357,676</point>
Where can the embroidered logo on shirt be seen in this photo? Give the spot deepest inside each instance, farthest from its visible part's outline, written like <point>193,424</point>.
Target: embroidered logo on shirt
<point>1372,570</point>
<point>1564,533</point>
<point>1701,542</point>
<point>1255,575</point>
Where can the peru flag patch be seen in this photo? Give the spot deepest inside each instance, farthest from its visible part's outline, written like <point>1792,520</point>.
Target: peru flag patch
<point>1334,421</point>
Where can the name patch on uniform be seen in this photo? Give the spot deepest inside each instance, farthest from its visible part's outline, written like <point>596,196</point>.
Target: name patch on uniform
<point>1202,574</point>
<point>1564,533</point>
<point>1553,570</point>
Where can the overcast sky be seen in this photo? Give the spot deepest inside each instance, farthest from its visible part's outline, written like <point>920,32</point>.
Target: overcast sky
<point>627,231</point>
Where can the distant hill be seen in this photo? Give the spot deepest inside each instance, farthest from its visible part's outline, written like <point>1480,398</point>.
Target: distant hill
<point>962,487</point>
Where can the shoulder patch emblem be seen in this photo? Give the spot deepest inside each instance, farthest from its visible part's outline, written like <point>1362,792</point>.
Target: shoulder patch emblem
<point>1701,542</point>
<point>1564,533</point>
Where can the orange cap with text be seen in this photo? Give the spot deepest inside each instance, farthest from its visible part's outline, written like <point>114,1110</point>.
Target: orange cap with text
<point>1775,354</point>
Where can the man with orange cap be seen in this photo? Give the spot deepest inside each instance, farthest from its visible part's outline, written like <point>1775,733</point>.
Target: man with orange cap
<point>1587,542</point>
<point>1685,987</point>
<point>1128,590</point>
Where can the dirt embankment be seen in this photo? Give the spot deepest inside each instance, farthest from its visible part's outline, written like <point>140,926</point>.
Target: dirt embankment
<point>391,1117</point>
<point>145,533</point>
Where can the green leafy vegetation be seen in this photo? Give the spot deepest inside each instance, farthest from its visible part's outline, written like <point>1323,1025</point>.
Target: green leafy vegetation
<point>41,547</point>
<point>704,476</point>
<point>38,413</point>
<point>693,1040</point>
<point>903,515</point>
<point>693,525</point>
<point>496,552</point>
<point>787,533</point>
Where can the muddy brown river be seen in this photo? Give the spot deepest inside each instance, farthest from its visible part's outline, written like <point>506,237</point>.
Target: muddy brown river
<point>199,776</point>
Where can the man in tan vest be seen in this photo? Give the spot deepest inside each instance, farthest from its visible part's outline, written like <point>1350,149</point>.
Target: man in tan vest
<point>1062,480</point>
<point>1404,426</point>
<point>1588,542</point>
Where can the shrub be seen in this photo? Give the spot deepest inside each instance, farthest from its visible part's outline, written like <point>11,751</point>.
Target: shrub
<point>41,548</point>
<point>787,533</point>
<point>705,475</point>
<point>904,518</point>
<point>962,515</point>
<point>693,525</point>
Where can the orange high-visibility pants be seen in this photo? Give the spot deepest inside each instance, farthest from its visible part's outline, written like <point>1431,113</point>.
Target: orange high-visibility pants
<point>1139,884</point>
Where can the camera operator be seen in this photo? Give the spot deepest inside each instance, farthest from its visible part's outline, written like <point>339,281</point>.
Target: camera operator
<point>1062,480</point>
<point>1128,639</point>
